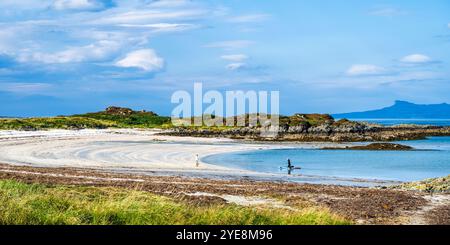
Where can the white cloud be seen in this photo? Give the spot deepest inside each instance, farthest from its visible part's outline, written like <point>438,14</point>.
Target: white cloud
<point>170,3</point>
<point>392,78</point>
<point>81,5</point>
<point>93,37</point>
<point>249,18</point>
<point>365,70</point>
<point>149,15</point>
<point>234,44</point>
<point>145,59</point>
<point>416,59</point>
<point>162,27</point>
<point>24,88</point>
<point>25,4</point>
<point>98,51</point>
<point>236,66</point>
<point>234,57</point>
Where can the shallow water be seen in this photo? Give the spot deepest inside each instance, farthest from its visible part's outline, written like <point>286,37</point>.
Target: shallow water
<point>431,160</point>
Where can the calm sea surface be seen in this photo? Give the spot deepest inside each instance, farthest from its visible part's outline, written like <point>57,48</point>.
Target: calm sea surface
<point>390,122</point>
<point>432,159</point>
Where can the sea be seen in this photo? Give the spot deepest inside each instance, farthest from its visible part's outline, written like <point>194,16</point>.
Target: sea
<point>391,122</point>
<point>431,158</point>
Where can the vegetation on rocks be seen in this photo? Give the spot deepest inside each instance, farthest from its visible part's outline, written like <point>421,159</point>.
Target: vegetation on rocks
<point>441,184</point>
<point>125,117</point>
<point>307,120</point>
<point>112,117</point>
<point>54,123</point>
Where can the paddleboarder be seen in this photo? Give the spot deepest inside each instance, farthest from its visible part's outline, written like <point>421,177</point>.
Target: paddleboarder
<point>291,167</point>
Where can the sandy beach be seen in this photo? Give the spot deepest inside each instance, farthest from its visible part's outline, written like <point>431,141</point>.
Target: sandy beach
<point>113,149</point>
<point>147,152</point>
<point>109,149</point>
<point>166,165</point>
<point>128,150</point>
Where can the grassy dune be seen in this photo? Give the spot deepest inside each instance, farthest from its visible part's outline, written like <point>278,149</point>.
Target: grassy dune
<point>38,204</point>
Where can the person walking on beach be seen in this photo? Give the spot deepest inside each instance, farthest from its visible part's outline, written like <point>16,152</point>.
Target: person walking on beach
<point>196,160</point>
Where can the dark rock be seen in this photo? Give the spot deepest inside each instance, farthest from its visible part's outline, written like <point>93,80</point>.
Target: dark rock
<point>114,110</point>
<point>121,111</point>
<point>375,147</point>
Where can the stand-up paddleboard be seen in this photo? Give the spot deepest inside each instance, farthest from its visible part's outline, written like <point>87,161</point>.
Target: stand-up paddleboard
<point>291,168</point>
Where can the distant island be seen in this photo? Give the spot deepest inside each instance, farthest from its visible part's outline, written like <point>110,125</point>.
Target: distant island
<point>297,127</point>
<point>402,110</point>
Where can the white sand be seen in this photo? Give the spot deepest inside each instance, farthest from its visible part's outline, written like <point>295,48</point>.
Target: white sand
<point>132,149</point>
<point>140,151</point>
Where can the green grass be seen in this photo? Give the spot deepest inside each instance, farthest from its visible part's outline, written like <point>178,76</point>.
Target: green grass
<point>54,123</point>
<point>91,120</point>
<point>135,119</point>
<point>307,120</point>
<point>101,120</point>
<point>39,204</point>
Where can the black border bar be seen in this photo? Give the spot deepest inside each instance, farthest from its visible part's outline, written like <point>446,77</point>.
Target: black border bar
<point>235,234</point>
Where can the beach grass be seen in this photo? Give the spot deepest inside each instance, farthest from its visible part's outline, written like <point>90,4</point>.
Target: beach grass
<point>38,204</point>
<point>79,122</point>
<point>118,118</point>
<point>135,119</point>
<point>54,123</point>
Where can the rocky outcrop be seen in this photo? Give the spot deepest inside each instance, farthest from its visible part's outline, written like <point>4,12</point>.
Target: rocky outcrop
<point>114,110</point>
<point>335,132</point>
<point>374,147</point>
<point>318,127</point>
<point>121,111</point>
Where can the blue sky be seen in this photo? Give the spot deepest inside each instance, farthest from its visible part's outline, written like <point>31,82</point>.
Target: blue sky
<point>73,56</point>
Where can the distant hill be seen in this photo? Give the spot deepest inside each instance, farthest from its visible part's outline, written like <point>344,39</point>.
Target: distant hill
<point>403,110</point>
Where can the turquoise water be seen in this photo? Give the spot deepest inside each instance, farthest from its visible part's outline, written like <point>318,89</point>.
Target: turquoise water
<point>431,160</point>
<point>390,122</point>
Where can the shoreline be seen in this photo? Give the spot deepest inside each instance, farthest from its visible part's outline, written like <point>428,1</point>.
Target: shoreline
<point>148,152</point>
<point>53,162</point>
